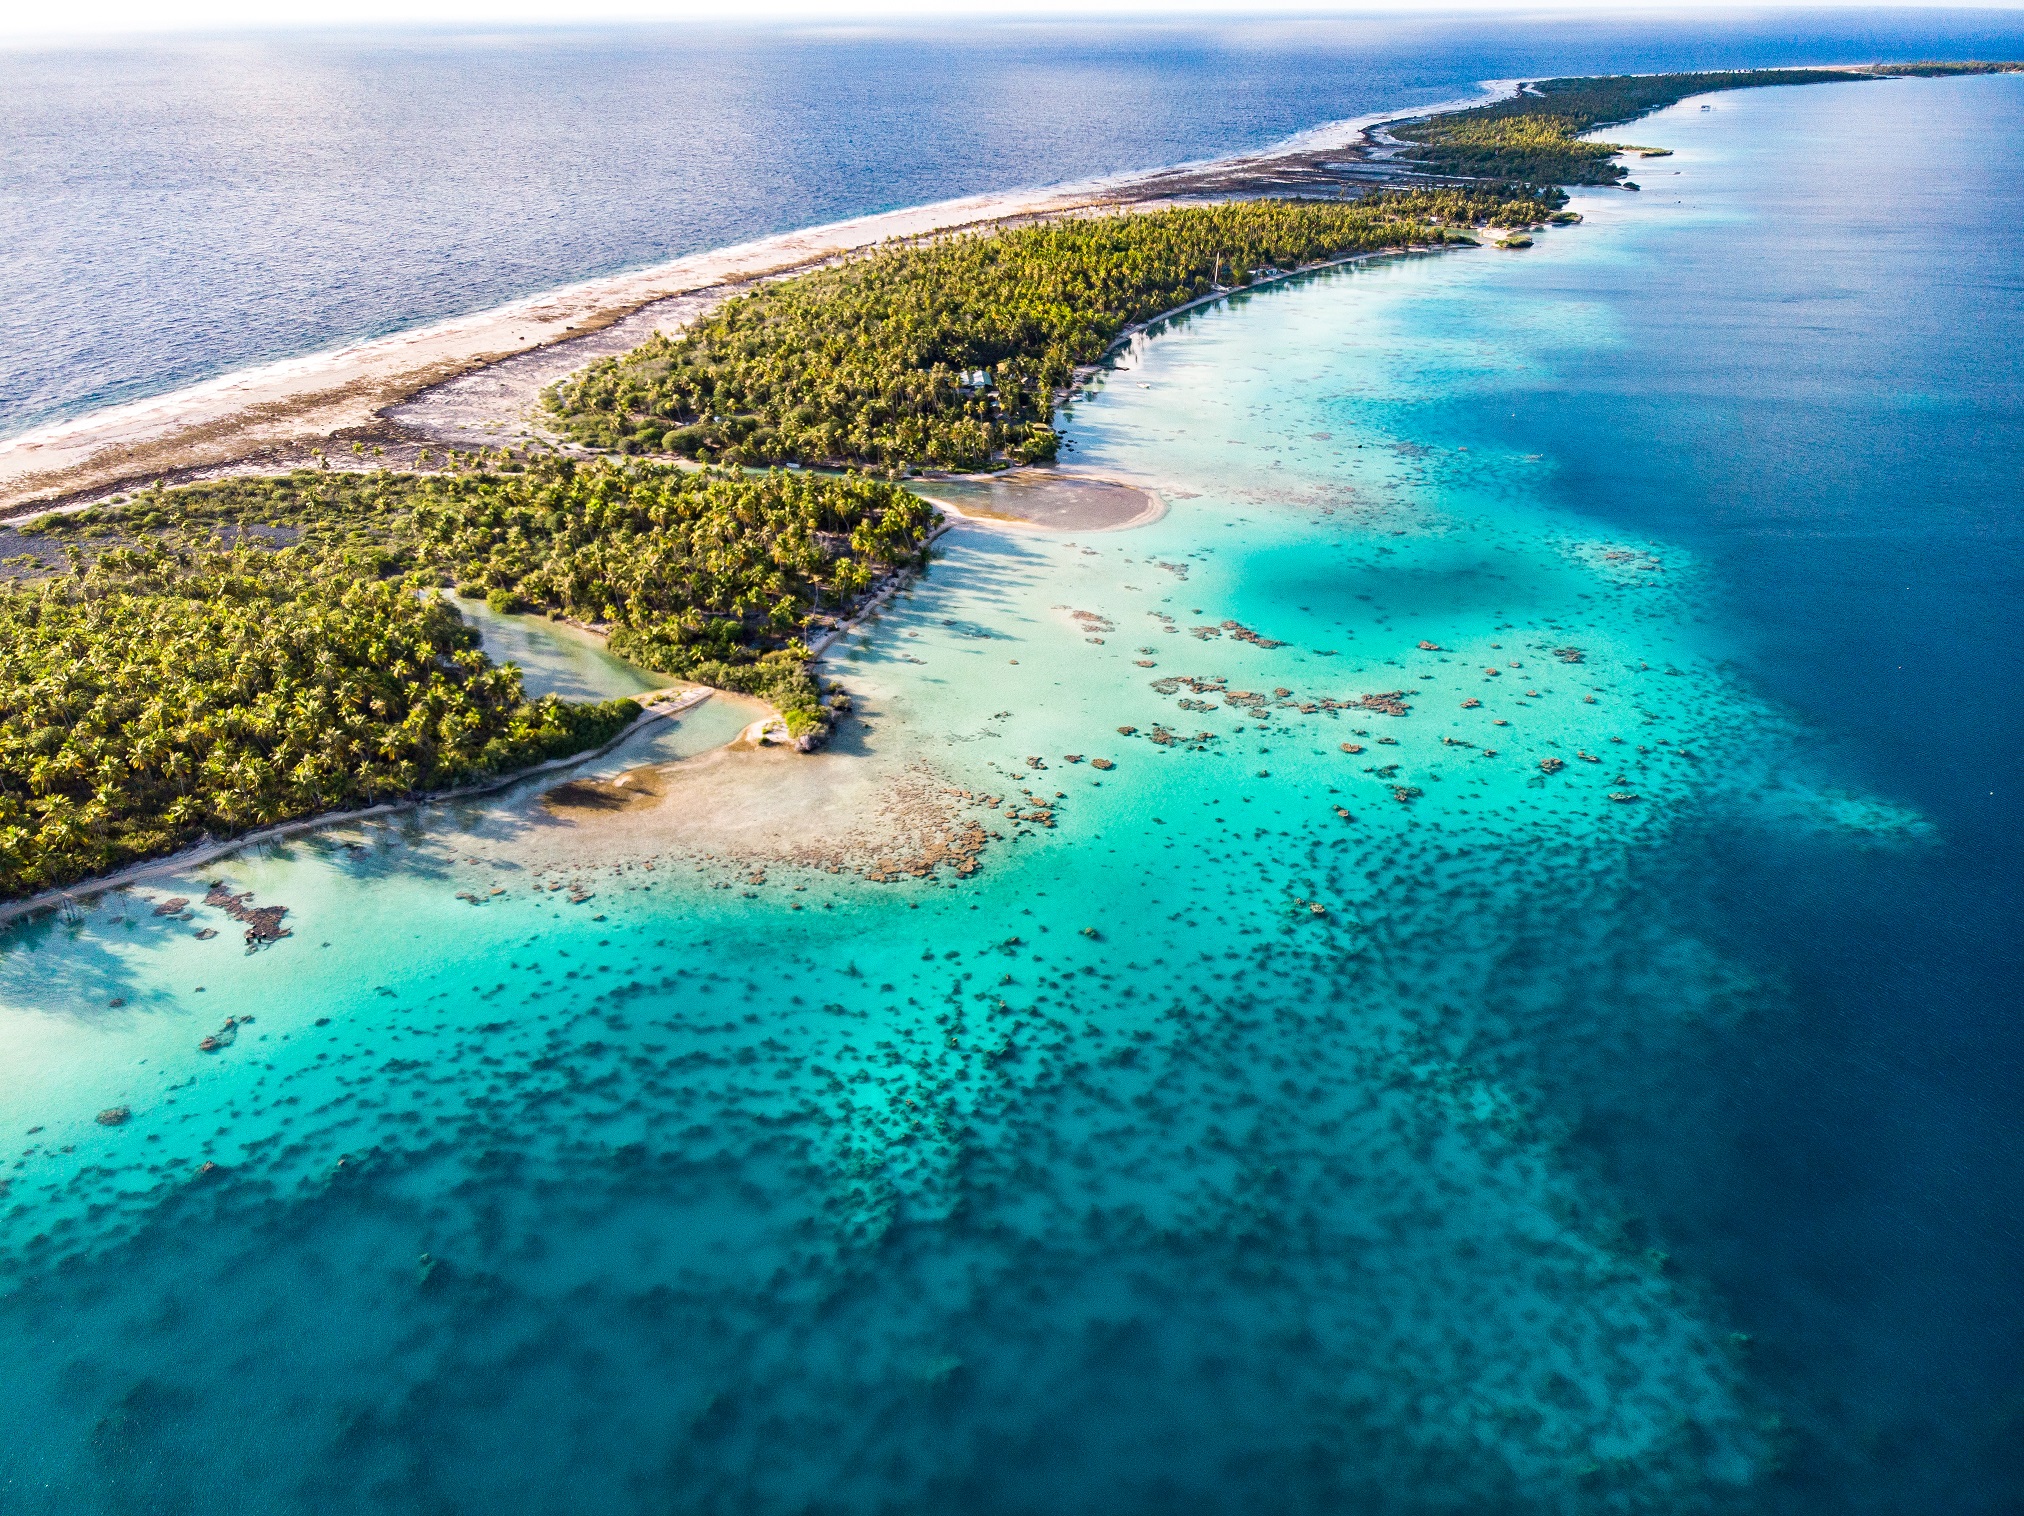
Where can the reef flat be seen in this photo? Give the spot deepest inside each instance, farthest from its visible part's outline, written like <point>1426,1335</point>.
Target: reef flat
<point>1221,1022</point>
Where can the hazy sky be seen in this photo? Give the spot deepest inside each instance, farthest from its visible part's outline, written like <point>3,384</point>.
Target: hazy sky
<point>22,18</point>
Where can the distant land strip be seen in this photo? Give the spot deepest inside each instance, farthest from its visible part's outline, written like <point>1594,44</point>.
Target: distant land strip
<point>309,411</point>
<point>214,659</point>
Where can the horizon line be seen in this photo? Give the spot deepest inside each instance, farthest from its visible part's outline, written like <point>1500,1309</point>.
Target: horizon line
<point>226,19</point>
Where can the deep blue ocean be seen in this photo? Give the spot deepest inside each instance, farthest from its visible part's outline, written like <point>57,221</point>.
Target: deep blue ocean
<point>1576,1155</point>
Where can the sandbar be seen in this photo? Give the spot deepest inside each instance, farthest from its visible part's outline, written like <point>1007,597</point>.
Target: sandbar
<point>1047,498</point>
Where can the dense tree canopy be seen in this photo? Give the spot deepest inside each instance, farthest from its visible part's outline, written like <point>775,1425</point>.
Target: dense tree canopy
<point>151,701</point>
<point>1535,136</point>
<point>217,658</point>
<point>950,352</point>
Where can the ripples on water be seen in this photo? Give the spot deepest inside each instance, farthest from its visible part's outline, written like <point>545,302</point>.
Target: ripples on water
<point>1548,1170</point>
<point>178,211</point>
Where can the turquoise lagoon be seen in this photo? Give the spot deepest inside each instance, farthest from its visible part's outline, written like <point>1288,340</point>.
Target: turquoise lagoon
<point>1286,1127</point>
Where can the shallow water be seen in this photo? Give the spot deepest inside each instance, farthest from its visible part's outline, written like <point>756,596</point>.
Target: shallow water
<point>1562,1161</point>
<point>555,659</point>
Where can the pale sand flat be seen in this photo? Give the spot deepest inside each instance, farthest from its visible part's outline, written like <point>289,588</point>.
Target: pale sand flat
<point>1049,499</point>
<point>859,813</point>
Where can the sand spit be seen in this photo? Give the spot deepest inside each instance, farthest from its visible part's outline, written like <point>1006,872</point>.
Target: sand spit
<point>474,379</point>
<point>1051,499</point>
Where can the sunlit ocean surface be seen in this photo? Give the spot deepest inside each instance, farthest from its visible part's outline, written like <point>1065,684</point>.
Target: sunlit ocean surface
<point>180,210</point>
<point>1578,1155</point>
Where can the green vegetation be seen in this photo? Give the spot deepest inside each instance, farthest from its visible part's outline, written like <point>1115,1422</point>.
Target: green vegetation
<point>1534,137</point>
<point>218,658</point>
<point>208,660</point>
<point>1935,69</point>
<point>950,353</point>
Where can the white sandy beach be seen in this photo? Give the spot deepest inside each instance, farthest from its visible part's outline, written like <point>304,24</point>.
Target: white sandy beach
<point>300,400</point>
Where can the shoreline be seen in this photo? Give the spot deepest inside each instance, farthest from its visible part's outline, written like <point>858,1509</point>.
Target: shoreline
<point>655,705</point>
<point>276,416</point>
<point>346,393</point>
<point>1154,508</point>
<point>867,612</point>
